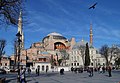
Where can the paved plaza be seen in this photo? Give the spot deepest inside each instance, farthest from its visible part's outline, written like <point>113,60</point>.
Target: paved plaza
<point>68,77</point>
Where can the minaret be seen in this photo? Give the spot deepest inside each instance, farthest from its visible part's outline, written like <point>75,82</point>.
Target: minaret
<point>91,35</point>
<point>20,30</point>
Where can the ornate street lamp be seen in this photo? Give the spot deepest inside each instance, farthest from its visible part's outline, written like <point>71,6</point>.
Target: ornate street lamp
<point>19,48</point>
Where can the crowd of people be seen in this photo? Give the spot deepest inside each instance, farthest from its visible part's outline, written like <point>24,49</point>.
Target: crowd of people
<point>90,70</point>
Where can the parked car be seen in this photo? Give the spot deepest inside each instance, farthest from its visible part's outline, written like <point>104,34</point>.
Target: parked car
<point>2,71</point>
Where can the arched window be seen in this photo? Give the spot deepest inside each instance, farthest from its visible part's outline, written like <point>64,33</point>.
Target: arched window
<point>78,58</point>
<point>76,52</point>
<point>42,67</point>
<point>91,51</point>
<point>72,64</point>
<point>75,58</point>
<point>5,64</point>
<point>72,58</point>
<point>98,60</point>
<point>59,45</point>
<point>47,67</point>
<point>91,64</point>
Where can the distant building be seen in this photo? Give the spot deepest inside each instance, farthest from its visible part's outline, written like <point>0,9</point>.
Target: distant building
<point>5,61</point>
<point>77,58</point>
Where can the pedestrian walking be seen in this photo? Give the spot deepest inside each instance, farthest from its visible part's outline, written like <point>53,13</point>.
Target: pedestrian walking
<point>75,70</point>
<point>103,69</point>
<point>109,71</point>
<point>22,75</point>
<point>100,70</point>
<point>38,70</point>
<point>72,69</point>
<point>91,71</point>
<point>46,70</point>
<point>62,71</point>
<point>29,71</point>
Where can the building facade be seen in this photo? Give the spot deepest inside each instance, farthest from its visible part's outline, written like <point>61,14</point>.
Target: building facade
<point>57,50</point>
<point>5,61</point>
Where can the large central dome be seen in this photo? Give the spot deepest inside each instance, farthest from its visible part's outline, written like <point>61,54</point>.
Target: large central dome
<point>54,34</point>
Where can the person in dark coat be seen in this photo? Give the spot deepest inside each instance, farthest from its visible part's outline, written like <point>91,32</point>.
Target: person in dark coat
<point>72,69</point>
<point>38,70</point>
<point>109,71</point>
<point>22,75</point>
<point>90,71</point>
<point>62,71</point>
<point>29,70</point>
<point>75,70</point>
<point>46,70</point>
<point>103,69</point>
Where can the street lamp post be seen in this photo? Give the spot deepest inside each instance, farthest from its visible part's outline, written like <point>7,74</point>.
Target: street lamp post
<point>26,58</point>
<point>57,59</point>
<point>19,48</point>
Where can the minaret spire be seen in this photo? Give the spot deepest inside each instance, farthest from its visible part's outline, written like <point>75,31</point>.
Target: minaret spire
<point>91,35</point>
<point>20,29</point>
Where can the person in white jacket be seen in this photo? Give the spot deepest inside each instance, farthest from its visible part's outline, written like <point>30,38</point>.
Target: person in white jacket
<point>100,71</point>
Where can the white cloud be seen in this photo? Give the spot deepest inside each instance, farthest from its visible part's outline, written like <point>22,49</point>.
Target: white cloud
<point>116,33</point>
<point>58,6</point>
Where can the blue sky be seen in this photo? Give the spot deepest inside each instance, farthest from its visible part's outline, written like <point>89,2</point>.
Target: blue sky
<point>71,18</point>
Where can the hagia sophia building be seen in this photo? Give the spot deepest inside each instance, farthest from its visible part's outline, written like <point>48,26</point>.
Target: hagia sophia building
<point>55,50</point>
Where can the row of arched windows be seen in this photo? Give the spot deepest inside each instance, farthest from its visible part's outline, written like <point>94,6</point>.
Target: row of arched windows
<point>43,67</point>
<point>76,52</point>
<point>75,58</point>
<point>75,64</point>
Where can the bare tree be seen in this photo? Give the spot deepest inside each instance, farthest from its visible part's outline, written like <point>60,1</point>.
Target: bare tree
<point>2,46</point>
<point>9,11</point>
<point>108,53</point>
<point>117,59</point>
<point>82,50</point>
<point>65,55</point>
<point>105,52</point>
<point>113,52</point>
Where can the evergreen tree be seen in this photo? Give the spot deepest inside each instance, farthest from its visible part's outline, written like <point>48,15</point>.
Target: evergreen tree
<point>87,56</point>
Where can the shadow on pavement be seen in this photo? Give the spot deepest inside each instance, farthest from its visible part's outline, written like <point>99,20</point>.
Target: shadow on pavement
<point>7,81</point>
<point>36,82</point>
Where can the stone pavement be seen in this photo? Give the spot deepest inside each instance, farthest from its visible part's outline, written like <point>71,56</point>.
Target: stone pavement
<point>68,77</point>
